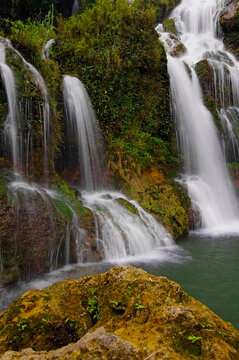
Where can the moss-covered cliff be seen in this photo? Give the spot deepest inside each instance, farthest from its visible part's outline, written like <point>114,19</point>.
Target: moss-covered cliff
<point>122,314</point>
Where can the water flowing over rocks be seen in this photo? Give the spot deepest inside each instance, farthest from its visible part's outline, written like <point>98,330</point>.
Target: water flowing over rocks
<point>153,191</point>
<point>41,230</point>
<point>205,154</point>
<point>122,314</point>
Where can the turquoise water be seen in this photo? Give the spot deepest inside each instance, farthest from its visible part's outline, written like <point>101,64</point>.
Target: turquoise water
<point>211,275</point>
<point>207,268</point>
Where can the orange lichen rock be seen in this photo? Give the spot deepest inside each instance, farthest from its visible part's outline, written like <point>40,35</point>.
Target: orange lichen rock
<point>122,314</point>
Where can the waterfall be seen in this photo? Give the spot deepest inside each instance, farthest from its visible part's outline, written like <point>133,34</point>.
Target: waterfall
<point>122,227</point>
<point>75,6</point>
<point>82,124</point>
<point>125,232</point>
<point>32,201</point>
<point>206,174</point>
<point>46,48</point>
<point>46,106</point>
<point>10,124</point>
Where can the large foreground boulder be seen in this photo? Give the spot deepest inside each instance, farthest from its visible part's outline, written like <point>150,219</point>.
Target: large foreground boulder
<point>122,314</point>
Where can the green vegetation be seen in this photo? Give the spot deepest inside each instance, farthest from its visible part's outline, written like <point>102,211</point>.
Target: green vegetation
<point>114,49</point>
<point>94,310</point>
<point>161,8</point>
<point>169,26</point>
<point>139,306</point>
<point>194,338</point>
<point>64,208</point>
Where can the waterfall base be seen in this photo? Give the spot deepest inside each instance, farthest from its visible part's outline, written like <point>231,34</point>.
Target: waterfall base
<point>212,222</point>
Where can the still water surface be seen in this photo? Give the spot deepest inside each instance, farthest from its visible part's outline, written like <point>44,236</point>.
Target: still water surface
<point>207,268</point>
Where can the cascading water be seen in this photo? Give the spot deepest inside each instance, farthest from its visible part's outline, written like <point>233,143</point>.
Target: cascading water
<point>124,232</point>
<point>10,124</point>
<point>46,49</point>
<point>206,177</point>
<point>123,228</point>
<point>82,124</point>
<point>75,6</point>
<point>46,106</point>
<point>56,234</point>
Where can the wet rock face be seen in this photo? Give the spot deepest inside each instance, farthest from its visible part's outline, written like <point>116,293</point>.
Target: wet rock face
<point>229,21</point>
<point>178,48</point>
<point>36,230</point>
<point>122,314</point>
<point>162,198</point>
<point>227,18</point>
<point>28,235</point>
<point>206,78</point>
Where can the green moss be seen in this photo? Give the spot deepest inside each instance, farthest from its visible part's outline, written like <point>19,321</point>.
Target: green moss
<point>62,186</point>
<point>128,206</point>
<point>169,26</point>
<point>3,190</point>
<point>63,207</point>
<point>158,195</point>
<point>161,8</point>
<point>210,103</point>
<point>206,78</point>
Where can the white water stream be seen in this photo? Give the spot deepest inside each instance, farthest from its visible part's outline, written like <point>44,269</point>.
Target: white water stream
<point>122,230</point>
<point>206,174</point>
<point>10,124</point>
<point>46,105</point>
<point>75,6</point>
<point>82,124</point>
<point>46,49</point>
<point>31,193</point>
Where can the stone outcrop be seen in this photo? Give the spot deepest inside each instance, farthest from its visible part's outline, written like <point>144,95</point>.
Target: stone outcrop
<point>122,314</point>
<point>229,21</point>
<point>153,190</point>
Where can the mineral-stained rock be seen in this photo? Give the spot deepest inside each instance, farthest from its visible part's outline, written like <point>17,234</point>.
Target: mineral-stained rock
<point>122,314</point>
<point>229,21</point>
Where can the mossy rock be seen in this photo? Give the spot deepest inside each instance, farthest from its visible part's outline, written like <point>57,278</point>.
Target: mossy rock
<point>154,191</point>
<point>229,21</point>
<point>169,26</point>
<point>206,78</point>
<point>138,315</point>
<point>127,205</point>
<point>178,48</point>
